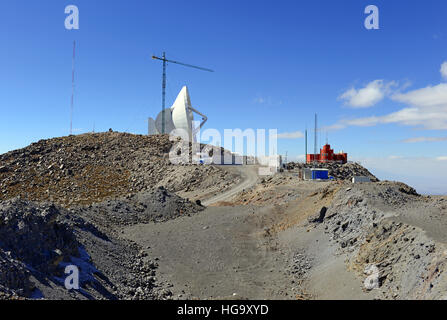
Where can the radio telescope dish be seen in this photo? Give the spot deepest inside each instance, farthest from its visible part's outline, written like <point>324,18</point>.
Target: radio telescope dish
<point>152,127</point>
<point>169,125</point>
<point>155,126</point>
<point>182,115</point>
<point>179,116</point>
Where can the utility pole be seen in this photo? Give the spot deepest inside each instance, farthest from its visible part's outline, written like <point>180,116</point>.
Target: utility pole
<point>72,87</point>
<point>163,87</point>
<point>305,159</point>
<point>315,142</point>
<point>163,98</point>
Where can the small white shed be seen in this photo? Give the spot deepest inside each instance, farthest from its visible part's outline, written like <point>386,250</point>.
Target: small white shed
<point>360,179</point>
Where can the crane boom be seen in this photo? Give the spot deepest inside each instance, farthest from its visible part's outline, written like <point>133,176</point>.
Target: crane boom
<point>165,61</point>
<point>183,64</point>
<point>72,87</point>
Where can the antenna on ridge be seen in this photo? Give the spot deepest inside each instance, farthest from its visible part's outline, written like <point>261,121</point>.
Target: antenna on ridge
<point>72,87</point>
<point>163,86</point>
<point>305,146</point>
<point>316,137</point>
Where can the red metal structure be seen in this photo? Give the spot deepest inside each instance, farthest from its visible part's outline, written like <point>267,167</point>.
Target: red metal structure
<point>327,155</point>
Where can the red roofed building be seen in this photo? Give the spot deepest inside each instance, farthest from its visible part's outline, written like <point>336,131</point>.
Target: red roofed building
<point>327,155</point>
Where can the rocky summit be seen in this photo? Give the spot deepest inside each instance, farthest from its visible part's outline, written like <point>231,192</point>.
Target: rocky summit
<point>91,168</point>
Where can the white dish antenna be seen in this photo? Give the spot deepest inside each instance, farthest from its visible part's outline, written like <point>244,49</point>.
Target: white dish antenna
<point>182,115</point>
<point>179,116</point>
<point>152,127</point>
<point>169,125</point>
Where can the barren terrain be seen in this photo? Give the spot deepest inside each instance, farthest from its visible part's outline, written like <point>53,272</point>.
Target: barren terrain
<point>140,227</point>
<point>271,242</point>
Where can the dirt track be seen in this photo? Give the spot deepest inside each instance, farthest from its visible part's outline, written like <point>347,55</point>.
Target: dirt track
<point>249,176</point>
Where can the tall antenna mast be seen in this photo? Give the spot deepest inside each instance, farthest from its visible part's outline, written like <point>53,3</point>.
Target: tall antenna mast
<point>163,86</point>
<point>305,147</point>
<point>72,87</point>
<point>163,98</point>
<point>316,137</point>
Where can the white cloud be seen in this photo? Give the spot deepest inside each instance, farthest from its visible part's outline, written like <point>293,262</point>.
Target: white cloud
<point>359,122</point>
<point>443,158</point>
<point>364,122</point>
<point>444,70</point>
<point>428,97</point>
<point>290,135</point>
<point>426,108</point>
<point>424,139</point>
<point>368,96</point>
<point>268,101</point>
<point>336,126</point>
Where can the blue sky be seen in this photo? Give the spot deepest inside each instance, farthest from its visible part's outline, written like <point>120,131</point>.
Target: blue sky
<point>380,94</point>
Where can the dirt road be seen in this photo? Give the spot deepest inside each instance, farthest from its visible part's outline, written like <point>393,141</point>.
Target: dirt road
<point>249,178</point>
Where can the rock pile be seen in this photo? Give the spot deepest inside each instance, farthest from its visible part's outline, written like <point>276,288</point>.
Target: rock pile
<point>337,170</point>
<point>148,206</point>
<point>38,240</point>
<point>410,265</point>
<point>34,239</point>
<point>91,168</point>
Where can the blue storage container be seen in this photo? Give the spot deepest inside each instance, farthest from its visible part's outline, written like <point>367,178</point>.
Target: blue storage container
<point>320,174</point>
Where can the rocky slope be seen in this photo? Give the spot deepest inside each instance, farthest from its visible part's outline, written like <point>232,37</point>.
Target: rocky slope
<point>353,229</point>
<point>337,170</point>
<point>37,241</point>
<point>379,226</point>
<point>91,168</point>
<point>64,201</point>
